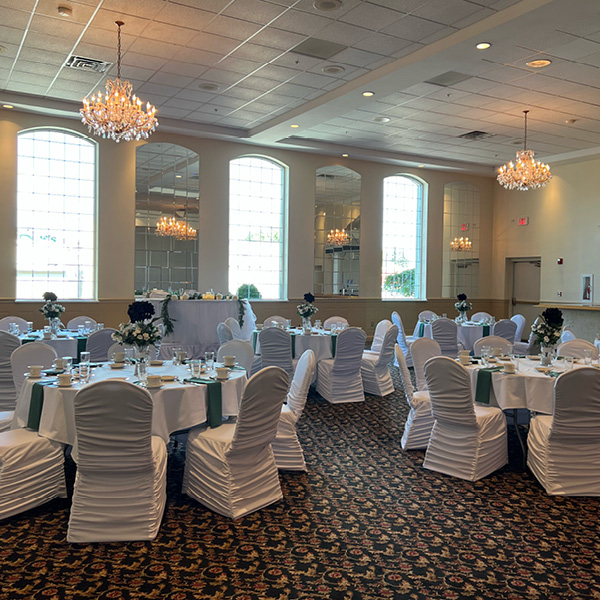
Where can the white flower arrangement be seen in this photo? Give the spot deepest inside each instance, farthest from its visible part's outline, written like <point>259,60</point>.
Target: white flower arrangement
<point>52,310</point>
<point>548,329</point>
<point>137,334</point>
<point>307,309</point>
<point>463,305</point>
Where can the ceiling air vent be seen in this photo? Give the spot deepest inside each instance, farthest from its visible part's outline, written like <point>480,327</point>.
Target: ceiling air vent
<point>476,135</point>
<point>448,78</point>
<point>88,64</point>
<point>316,48</point>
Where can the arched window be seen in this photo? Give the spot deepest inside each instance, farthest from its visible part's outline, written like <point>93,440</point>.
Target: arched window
<point>56,215</point>
<point>256,227</point>
<point>403,268</point>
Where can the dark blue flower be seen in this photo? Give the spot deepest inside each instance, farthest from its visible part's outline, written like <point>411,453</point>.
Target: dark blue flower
<point>553,316</point>
<point>309,297</point>
<point>462,297</point>
<point>140,311</point>
<point>50,297</point>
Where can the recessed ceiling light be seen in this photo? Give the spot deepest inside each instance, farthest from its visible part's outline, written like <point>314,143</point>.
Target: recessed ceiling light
<point>483,46</point>
<point>570,121</point>
<point>294,126</point>
<point>208,87</point>
<point>333,69</point>
<point>65,11</point>
<point>344,156</point>
<point>368,94</point>
<point>327,5</point>
<point>381,119</point>
<point>7,106</point>
<point>421,166</point>
<point>538,64</point>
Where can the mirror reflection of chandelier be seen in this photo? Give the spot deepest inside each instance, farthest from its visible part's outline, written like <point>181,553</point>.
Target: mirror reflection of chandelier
<point>460,244</point>
<point>177,229</point>
<point>337,237</point>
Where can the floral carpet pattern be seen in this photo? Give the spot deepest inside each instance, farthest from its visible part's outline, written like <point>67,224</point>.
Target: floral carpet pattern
<point>365,522</point>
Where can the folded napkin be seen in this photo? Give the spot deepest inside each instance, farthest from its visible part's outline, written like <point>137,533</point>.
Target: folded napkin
<point>215,403</point>
<point>36,404</point>
<point>53,371</point>
<point>484,384</point>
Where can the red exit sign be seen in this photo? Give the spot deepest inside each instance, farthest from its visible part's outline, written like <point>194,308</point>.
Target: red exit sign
<point>523,220</point>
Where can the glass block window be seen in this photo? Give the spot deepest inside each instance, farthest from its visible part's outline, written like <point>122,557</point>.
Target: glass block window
<point>403,266</point>
<point>56,215</point>
<point>256,227</point>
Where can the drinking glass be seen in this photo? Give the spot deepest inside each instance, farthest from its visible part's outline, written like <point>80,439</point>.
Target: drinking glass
<point>209,358</point>
<point>318,324</point>
<point>289,323</point>
<point>485,353</point>
<point>514,357</point>
<point>80,329</point>
<point>87,326</point>
<point>84,357</point>
<point>588,354</point>
<point>176,354</point>
<point>67,363</point>
<point>99,326</point>
<point>142,372</point>
<point>569,361</point>
<point>84,372</point>
<point>29,326</point>
<point>195,368</point>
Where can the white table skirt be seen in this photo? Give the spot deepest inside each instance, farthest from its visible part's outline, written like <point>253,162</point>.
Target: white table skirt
<point>176,405</point>
<point>467,334</point>
<point>196,324</point>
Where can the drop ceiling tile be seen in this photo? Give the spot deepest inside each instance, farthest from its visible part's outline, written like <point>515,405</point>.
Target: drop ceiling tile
<point>171,80</point>
<point>11,35</point>
<point>196,57</point>
<point>221,76</point>
<point>184,68</point>
<point>26,88</point>
<point>380,43</point>
<point>300,22</point>
<point>154,48</point>
<point>168,34</point>
<point>186,16</point>
<point>412,28</point>
<point>276,38</point>
<point>313,80</point>
<point>105,19</point>
<point>81,12</point>
<point>213,43</point>
<point>42,41</point>
<point>438,35</point>
<point>446,12</point>
<point>148,9</point>
<point>237,65</point>
<point>259,83</point>
<point>355,57</point>
<point>15,18</point>
<point>295,91</point>
<point>254,10</point>
<point>134,59</point>
<point>87,77</point>
<point>256,53</point>
<point>37,67</point>
<point>474,17</point>
<point>277,73</point>
<point>100,37</point>
<point>343,33</point>
<point>232,28</point>
<point>174,113</point>
<point>46,57</point>
<point>371,16</point>
<point>156,88</point>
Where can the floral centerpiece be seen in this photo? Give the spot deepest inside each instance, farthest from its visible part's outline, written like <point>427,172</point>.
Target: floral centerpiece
<point>462,306</point>
<point>546,331</point>
<point>140,332</point>
<point>52,310</point>
<point>307,309</point>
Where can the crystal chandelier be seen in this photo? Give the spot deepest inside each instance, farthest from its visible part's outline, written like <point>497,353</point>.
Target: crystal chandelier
<point>118,115</point>
<point>460,244</point>
<point>527,173</point>
<point>337,237</point>
<point>173,228</point>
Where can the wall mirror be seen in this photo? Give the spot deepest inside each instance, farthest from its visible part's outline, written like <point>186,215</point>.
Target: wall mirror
<point>460,273</point>
<point>337,232</point>
<point>166,218</point>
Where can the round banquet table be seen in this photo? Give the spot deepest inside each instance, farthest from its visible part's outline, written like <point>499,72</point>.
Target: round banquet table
<point>176,405</point>
<point>321,343</point>
<point>467,333</point>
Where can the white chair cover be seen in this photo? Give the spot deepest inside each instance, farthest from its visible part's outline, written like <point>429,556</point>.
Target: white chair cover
<point>419,422</point>
<point>6,321</point>
<point>507,329</point>
<point>379,335</point>
<point>424,349</point>
<point>332,320</point>
<point>427,315</point>
<point>530,346</point>
<point>467,441</point>
<point>242,350</point>
<point>564,448</point>
<point>8,394</point>
<point>493,341</point>
<point>234,325</point>
<point>98,344</point>
<point>520,321</point>
<point>405,342</point>
<point>338,379</point>
<point>445,333</point>
<point>231,468</point>
<point>481,316</point>
<point>32,353</point>
<point>224,333</point>
<point>375,368</point>
<point>267,322</point>
<point>120,487</point>
<point>286,446</point>
<point>567,335</point>
<point>31,471</point>
<point>77,321</point>
<point>577,348</point>
<point>116,347</point>
<point>276,349</point>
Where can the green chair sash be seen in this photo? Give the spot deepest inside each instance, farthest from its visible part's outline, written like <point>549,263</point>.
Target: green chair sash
<point>215,403</point>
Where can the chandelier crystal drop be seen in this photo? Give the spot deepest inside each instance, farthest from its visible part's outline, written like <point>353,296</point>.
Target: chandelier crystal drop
<point>118,115</point>
<point>337,237</point>
<point>460,244</point>
<point>527,173</point>
<point>173,228</point>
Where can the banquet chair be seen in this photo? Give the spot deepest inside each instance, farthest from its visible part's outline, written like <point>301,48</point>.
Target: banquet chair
<point>567,335</point>
<point>493,341</point>
<point>31,471</point>
<point>445,333</point>
<point>520,321</point>
<point>481,316</point>
<point>286,446</point>
<point>75,322</point>
<point>267,322</point>
<point>467,441</point>
<point>224,333</point>
<point>116,347</point>
<point>427,315</point>
<point>380,332</point>
<point>424,349</point>
<point>507,329</point>
<point>419,422</point>
<point>563,448</point>
<point>403,340</point>
<point>530,346</point>
<point>99,343</point>
<point>375,368</point>
<point>338,379</point>
<point>231,469</point>
<point>577,348</point>
<point>8,393</point>
<point>234,325</point>
<point>32,353</point>
<point>332,320</point>
<point>242,350</point>
<point>6,321</point>
<point>276,349</point>
<point>120,486</point>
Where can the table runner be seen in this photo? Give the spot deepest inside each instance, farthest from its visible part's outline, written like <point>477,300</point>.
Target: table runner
<point>484,384</point>
<point>36,404</point>
<point>215,409</point>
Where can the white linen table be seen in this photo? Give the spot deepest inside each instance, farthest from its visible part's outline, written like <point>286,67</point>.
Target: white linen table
<point>322,344</point>
<point>467,333</point>
<point>65,344</point>
<point>176,405</point>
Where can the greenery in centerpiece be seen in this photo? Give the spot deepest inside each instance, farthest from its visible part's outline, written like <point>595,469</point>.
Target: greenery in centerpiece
<point>548,329</point>
<point>140,331</point>
<point>51,309</point>
<point>307,309</point>
<point>463,305</point>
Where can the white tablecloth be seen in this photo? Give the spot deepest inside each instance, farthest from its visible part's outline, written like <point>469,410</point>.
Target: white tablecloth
<point>467,333</point>
<point>64,346</point>
<point>319,343</point>
<point>176,405</point>
<point>196,324</point>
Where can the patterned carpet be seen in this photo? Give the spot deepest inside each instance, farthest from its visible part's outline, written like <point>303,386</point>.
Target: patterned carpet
<point>366,522</point>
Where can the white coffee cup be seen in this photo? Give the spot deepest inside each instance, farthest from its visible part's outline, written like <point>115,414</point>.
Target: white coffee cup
<point>464,352</point>
<point>59,363</point>
<point>509,367</point>
<point>154,381</point>
<point>35,370</point>
<point>496,351</point>
<point>47,335</point>
<point>229,361</point>
<point>465,359</point>
<point>222,372</point>
<point>119,357</point>
<point>64,379</point>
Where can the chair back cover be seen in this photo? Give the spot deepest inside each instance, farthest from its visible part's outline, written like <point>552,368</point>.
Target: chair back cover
<point>224,333</point>
<point>267,322</point>
<point>426,315</point>
<point>276,349</point>
<point>98,344</point>
<point>577,348</point>
<point>445,333</point>
<point>349,351</point>
<point>405,378</point>
<point>8,394</point>
<point>332,320</point>
<point>242,350</point>
<point>422,350</point>
<point>6,321</point>
<point>303,377</point>
<point>234,325</point>
<point>379,334</point>
<point>493,341</point>
<point>481,316</point>
<point>567,335</point>
<point>77,321</point>
<point>116,347</point>
<point>401,339</point>
<point>386,352</point>
<point>260,409</point>
<point>507,329</point>
<point>449,387</point>
<point>520,321</point>
<point>32,353</point>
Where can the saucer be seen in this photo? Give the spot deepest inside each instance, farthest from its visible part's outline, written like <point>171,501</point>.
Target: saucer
<point>168,377</point>
<point>154,387</point>
<point>156,363</point>
<point>65,385</point>
<point>116,365</point>
<point>33,376</point>
<point>508,372</point>
<point>222,378</point>
<point>543,369</point>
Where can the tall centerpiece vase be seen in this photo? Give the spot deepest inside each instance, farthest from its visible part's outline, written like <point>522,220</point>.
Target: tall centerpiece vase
<point>547,354</point>
<point>54,323</point>
<point>306,324</point>
<point>141,358</point>
<point>462,316</point>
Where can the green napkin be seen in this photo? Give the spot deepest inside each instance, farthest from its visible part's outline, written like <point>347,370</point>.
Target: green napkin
<point>293,336</point>
<point>254,340</point>
<point>81,345</point>
<point>25,340</point>
<point>553,373</point>
<point>36,404</point>
<point>484,384</point>
<point>421,329</point>
<point>486,330</point>
<point>237,368</point>
<point>53,371</point>
<point>215,403</point>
